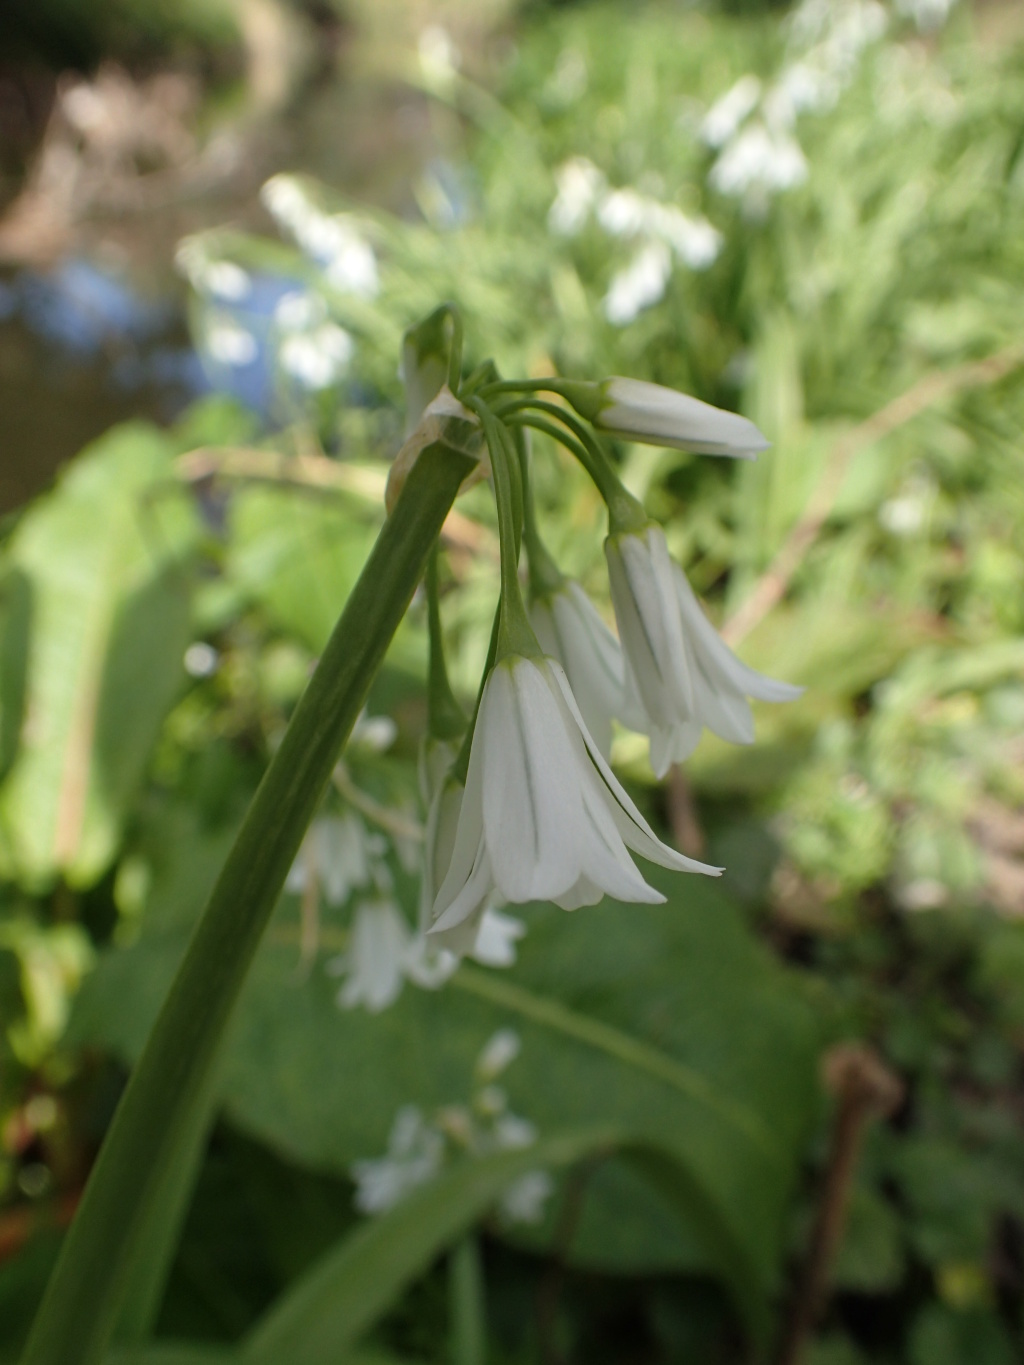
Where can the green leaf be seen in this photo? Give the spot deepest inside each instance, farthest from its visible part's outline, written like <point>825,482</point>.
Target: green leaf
<point>15,625</point>
<point>172,1353</point>
<point>350,1288</point>
<point>667,1019</point>
<point>104,659</point>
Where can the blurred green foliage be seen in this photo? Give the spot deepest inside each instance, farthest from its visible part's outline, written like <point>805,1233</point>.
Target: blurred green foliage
<point>866,316</point>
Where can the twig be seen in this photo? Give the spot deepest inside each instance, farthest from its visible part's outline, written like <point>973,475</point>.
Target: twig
<point>772,584</point>
<point>392,821</point>
<point>682,814</point>
<point>865,1088</point>
<point>318,473</point>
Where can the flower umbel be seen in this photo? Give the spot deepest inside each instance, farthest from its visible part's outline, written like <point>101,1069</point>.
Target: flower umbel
<point>543,816</point>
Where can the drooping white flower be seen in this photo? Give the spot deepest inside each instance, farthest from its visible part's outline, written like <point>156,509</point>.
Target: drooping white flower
<point>570,629</point>
<point>338,854</point>
<point>657,416</point>
<point>580,184</point>
<point>759,161</point>
<point>639,285</point>
<point>543,817</point>
<point>680,675</point>
<point>525,1198</point>
<point>496,939</point>
<point>376,959</point>
<point>499,1052</point>
<point>415,1155</point>
<point>727,113</point>
<point>319,358</point>
<point>487,936</point>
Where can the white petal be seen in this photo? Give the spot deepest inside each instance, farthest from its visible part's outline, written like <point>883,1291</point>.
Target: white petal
<point>531,800</point>
<point>632,826</point>
<point>650,627</point>
<point>717,659</point>
<point>661,416</point>
<point>673,745</point>
<point>468,836</point>
<point>470,900</point>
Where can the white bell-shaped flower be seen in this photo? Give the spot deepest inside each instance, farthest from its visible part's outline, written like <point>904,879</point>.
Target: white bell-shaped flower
<point>680,675</point>
<point>543,817</point>
<point>570,629</point>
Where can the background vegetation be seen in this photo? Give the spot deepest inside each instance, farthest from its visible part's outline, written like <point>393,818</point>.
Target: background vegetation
<point>838,254</point>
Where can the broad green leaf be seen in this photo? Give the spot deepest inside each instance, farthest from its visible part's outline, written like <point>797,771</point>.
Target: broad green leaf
<point>297,552</point>
<point>669,1019</point>
<point>15,625</point>
<point>345,1293</point>
<point>109,625</point>
<point>172,1353</point>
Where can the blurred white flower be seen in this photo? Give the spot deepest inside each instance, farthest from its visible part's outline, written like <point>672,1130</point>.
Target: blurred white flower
<point>333,240</point>
<point>208,275</point>
<point>680,676</point>
<point>579,185</point>
<point>439,58</point>
<point>500,1050</point>
<point>201,660</point>
<point>415,1155</point>
<point>642,283</point>
<point>227,343</point>
<point>694,240</point>
<point>338,854</point>
<point>298,311</point>
<point>376,733</point>
<point>525,1198</point>
<point>928,15</point>
<point>418,1147</point>
<point>375,961</point>
<point>317,359</point>
<point>759,161</point>
<point>570,629</point>
<point>727,113</point>
<point>543,817</point>
<point>496,939</point>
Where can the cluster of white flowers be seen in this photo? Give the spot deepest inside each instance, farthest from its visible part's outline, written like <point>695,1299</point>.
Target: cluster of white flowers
<point>660,233</point>
<point>384,953</point>
<point>335,241</point>
<point>310,348</point>
<point>539,814</point>
<point>418,1147</point>
<point>752,125</point>
<point>208,274</point>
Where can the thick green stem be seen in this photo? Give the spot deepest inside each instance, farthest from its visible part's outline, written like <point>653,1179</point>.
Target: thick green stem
<point>164,1098</point>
